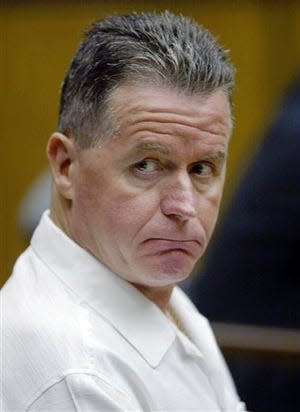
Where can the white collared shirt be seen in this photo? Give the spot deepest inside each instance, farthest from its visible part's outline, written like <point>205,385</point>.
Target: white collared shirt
<point>76,337</point>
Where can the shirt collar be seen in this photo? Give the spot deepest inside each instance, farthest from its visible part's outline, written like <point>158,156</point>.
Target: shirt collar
<point>135,317</point>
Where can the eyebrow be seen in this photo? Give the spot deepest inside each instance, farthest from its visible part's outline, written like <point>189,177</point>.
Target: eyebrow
<point>143,147</point>
<point>220,155</point>
<point>151,146</point>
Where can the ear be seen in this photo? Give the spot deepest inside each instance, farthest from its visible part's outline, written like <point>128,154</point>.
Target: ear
<point>62,155</point>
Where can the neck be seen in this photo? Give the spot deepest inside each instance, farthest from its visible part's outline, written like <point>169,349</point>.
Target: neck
<point>160,296</point>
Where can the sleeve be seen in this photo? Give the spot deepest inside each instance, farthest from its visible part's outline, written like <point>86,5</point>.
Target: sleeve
<point>82,393</point>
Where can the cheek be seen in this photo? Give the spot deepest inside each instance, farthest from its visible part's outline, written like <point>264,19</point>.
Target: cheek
<point>209,211</point>
<point>125,213</point>
<point>86,202</point>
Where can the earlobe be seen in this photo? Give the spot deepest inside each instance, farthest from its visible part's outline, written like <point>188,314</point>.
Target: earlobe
<point>61,155</point>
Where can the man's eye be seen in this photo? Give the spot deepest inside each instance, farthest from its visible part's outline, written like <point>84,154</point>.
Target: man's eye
<point>147,166</point>
<point>202,169</point>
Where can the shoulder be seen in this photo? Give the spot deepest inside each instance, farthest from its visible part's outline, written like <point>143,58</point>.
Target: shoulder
<point>43,329</point>
<point>80,390</point>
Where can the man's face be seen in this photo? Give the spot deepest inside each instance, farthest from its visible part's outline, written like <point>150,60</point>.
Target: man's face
<point>145,202</point>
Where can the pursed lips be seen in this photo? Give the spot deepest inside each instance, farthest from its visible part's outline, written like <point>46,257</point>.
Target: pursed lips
<point>161,245</point>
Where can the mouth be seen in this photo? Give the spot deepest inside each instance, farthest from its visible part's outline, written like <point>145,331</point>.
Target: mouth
<point>162,246</point>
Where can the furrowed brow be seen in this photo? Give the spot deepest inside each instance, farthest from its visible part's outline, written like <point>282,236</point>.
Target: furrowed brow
<point>150,147</point>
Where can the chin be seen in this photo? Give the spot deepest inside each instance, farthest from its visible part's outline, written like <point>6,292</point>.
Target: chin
<point>162,272</point>
<point>164,278</point>
<point>175,271</point>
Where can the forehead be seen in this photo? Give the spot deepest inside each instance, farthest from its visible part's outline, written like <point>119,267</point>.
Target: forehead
<point>135,104</point>
<point>164,121</point>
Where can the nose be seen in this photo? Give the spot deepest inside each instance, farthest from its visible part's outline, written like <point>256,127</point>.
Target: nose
<point>178,198</point>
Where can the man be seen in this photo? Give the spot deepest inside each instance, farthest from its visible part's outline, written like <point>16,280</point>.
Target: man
<point>92,320</point>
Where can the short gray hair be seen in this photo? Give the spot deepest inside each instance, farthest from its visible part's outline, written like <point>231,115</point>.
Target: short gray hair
<point>157,48</point>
